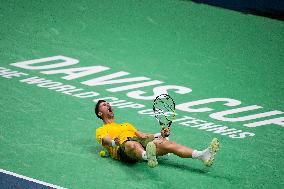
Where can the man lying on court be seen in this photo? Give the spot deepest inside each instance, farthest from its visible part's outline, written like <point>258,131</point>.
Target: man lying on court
<point>124,142</point>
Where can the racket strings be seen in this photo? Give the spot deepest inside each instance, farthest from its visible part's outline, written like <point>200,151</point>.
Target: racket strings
<point>168,106</point>
<point>164,110</point>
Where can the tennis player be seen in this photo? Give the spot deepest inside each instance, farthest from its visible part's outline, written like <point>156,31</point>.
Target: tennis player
<point>124,142</point>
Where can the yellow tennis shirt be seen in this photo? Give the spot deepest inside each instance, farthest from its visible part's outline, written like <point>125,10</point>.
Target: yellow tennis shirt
<point>123,131</point>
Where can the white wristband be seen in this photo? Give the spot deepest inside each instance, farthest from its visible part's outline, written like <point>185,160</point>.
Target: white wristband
<point>113,144</point>
<point>157,135</point>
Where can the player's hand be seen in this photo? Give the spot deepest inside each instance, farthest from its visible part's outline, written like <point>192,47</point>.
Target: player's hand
<point>165,132</point>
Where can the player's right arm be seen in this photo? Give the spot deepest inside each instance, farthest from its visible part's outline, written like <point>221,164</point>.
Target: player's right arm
<point>104,138</point>
<point>108,141</point>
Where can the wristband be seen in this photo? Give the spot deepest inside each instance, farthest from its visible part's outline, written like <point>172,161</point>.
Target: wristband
<point>157,135</point>
<point>113,144</point>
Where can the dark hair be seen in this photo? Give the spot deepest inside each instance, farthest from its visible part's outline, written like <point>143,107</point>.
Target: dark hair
<point>97,108</point>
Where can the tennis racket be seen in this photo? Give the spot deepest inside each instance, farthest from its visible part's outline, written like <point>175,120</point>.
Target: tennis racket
<point>164,111</point>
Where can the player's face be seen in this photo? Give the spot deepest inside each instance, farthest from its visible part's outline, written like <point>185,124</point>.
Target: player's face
<point>105,110</point>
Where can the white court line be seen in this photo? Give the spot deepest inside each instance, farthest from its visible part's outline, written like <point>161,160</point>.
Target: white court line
<point>30,179</point>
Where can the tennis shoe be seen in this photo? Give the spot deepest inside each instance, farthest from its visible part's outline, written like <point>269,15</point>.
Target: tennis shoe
<point>210,152</point>
<point>151,154</point>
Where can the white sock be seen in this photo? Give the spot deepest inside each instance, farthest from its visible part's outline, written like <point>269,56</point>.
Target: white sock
<point>144,155</point>
<point>201,155</point>
<point>196,154</point>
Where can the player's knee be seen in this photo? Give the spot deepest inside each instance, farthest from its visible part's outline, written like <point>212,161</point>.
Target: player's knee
<point>166,145</point>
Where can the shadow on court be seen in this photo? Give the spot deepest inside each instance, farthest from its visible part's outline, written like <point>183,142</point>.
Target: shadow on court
<point>206,171</point>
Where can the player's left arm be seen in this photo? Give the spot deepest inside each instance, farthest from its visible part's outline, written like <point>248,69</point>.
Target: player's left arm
<point>163,133</point>
<point>140,134</point>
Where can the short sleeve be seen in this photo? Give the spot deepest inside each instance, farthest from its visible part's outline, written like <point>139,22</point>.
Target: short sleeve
<point>100,134</point>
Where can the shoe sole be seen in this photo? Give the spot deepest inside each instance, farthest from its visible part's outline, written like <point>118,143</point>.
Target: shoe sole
<point>151,155</point>
<point>214,147</point>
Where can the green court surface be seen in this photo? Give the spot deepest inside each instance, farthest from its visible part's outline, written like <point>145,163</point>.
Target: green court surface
<point>49,135</point>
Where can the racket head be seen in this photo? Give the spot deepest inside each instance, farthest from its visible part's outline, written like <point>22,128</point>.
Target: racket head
<point>164,109</point>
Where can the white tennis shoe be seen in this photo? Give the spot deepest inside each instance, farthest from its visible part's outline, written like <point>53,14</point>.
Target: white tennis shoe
<point>210,152</point>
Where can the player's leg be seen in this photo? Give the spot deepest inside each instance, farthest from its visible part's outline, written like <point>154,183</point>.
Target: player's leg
<point>164,147</point>
<point>136,151</point>
<point>207,156</point>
